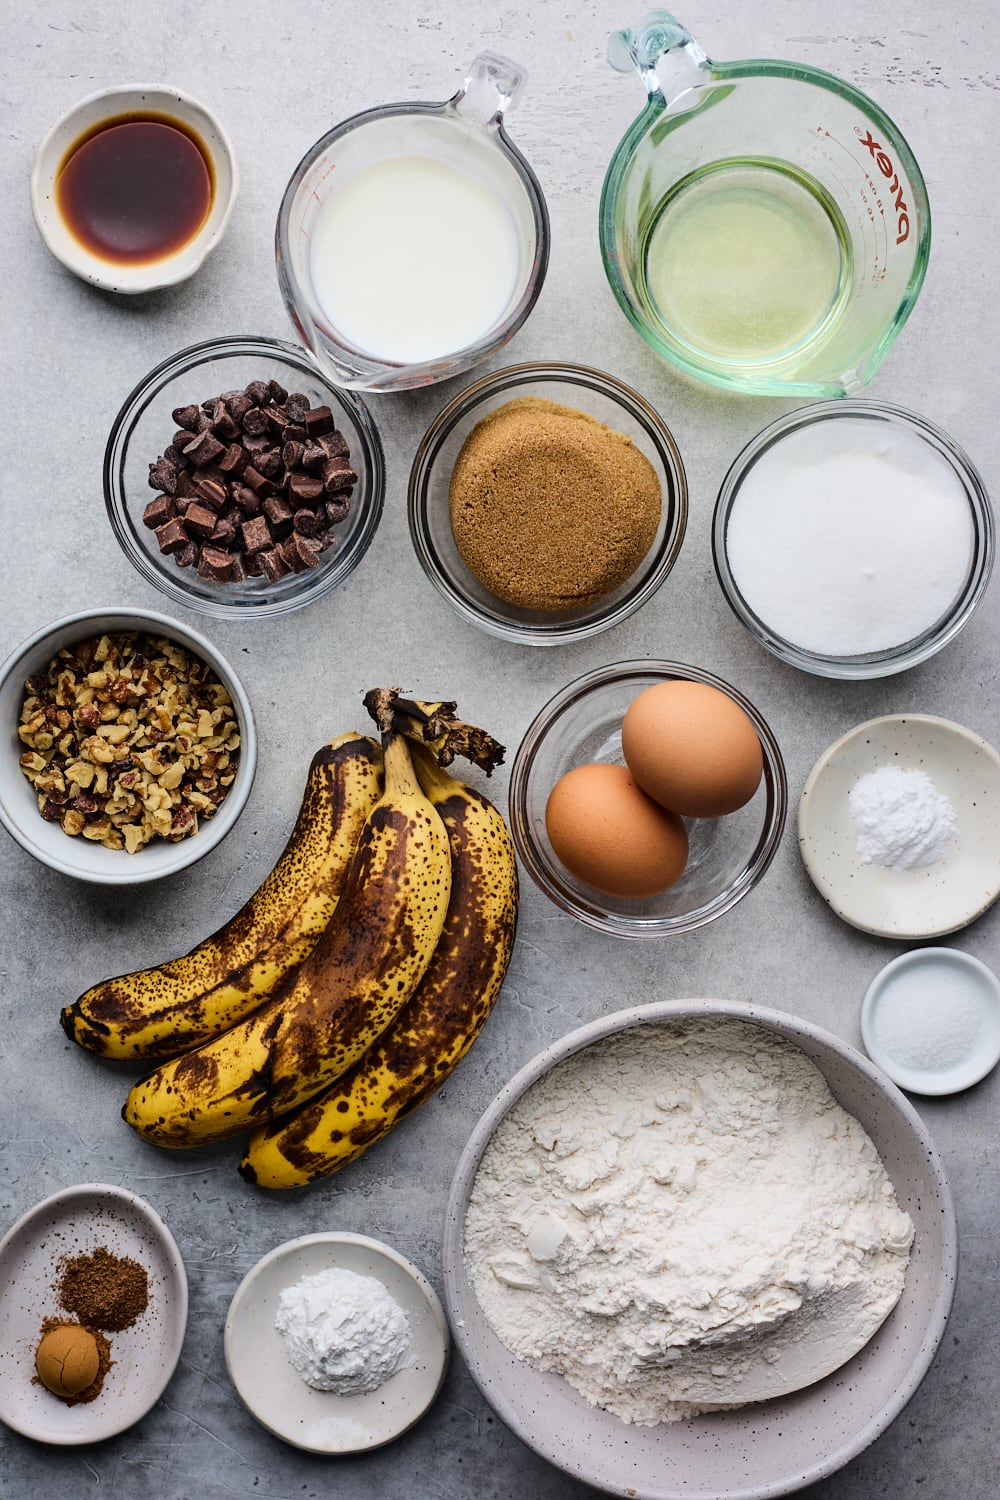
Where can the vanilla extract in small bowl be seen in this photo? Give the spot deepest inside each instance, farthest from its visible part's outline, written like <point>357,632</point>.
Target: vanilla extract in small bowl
<point>136,188</point>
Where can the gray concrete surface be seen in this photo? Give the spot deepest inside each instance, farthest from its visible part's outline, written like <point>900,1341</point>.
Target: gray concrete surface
<point>279,75</point>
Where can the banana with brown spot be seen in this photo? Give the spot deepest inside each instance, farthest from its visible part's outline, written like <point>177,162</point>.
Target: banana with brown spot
<point>358,977</point>
<point>160,1012</point>
<point>433,1032</point>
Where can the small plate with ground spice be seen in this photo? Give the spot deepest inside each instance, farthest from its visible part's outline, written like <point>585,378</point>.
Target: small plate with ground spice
<point>547,503</point>
<point>93,1307</point>
<point>899,826</point>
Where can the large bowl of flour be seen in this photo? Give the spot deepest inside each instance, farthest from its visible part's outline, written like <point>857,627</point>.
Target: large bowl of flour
<point>699,1251</point>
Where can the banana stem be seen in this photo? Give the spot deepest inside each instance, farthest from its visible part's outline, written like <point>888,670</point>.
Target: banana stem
<point>400,777</point>
<point>434,725</point>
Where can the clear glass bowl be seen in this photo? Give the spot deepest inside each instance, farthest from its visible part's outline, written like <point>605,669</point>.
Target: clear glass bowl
<point>144,426</point>
<point>728,855</point>
<point>907,653</point>
<point>600,396</point>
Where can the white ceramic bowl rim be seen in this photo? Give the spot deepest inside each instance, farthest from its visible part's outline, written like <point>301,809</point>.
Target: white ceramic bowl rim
<point>188,851</point>
<point>794,1029</point>
<point>961,1075</point>
<point>132,98</point>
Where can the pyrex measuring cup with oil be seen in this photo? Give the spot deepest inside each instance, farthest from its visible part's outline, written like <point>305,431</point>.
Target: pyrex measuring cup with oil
<point>763,224</point>
<point>412,239</point>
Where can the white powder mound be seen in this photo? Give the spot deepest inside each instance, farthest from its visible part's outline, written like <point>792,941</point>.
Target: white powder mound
<point>343,1332</point>
<point>903,821</point>
<point>683,1217</point>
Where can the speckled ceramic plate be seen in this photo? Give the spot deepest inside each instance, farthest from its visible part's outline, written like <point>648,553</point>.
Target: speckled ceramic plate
<point>276,1394</point>
<point>919,903</point>
<point>73,1222</point>
<point>770,1448</point>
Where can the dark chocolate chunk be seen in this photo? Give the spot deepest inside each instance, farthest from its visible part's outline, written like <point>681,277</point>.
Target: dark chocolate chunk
<point>256,534</point>
<point>255,422</point>
<point>187,555</point>
<point>239,404</point>
<point>296,406</point>
<point>336,510</point>
<point>212,492</point>
<point>237,568</point>
<point>233,461</point>
<point>246,499</point>
<point>205,449</point>
<point>185,486</point>
<point>334,444</point>
<point>277,420</point>
<point>257,444</point>
<point>313,456</point>
<point>308,523</point>
<point>338,475</point>
<point>276,392</point>
<point>277,510</point>
<point>214,564</point>
<point>253,565</point>
<point>259,482</point>
<point>319,419</point>
<point>269,464</point>
<point>307,550</point>
<point>163,476</point>
<point>158,512</point>
<point>224,426</point>
<point>199,519</point>
<point>225,531</point>
<point>273,565</point>
<point>257,391</point>
<point>303,488</point>
<point>291,454</point>
<point>172,536</point>
<point>186,417</point>
<point>295,434</point>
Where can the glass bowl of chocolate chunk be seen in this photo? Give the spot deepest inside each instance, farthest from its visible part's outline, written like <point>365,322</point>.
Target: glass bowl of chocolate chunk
<point>239,482</point>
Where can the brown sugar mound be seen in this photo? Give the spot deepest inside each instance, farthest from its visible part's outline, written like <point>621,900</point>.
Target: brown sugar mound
<point>550,509</point>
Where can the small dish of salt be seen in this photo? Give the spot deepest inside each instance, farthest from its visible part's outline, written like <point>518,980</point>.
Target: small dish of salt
<point>931,1020</point>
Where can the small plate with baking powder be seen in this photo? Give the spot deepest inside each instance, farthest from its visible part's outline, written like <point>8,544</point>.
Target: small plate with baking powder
<point>272,1389</point>
<point>75,1222</point>
<point>923,902</point>
<point>931,1020</point>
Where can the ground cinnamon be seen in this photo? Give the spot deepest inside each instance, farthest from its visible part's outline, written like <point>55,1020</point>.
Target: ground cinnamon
<point>550,509</point>
<point>104,1290</point>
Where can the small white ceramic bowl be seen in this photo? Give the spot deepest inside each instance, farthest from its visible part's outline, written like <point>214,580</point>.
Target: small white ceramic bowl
<point>919,903</point>
<point>943,1047</point>
<point>272,1389</point>
<point>110,104</point>
<point>18,802</point>
<point>770,1448</point>
<point>78,1221</point>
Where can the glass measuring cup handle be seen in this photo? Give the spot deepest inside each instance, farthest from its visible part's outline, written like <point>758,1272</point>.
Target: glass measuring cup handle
<point>491,86</point>
<point>664,54</point>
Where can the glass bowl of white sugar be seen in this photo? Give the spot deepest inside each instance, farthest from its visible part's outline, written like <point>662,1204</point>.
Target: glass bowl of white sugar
<point>853,539</point>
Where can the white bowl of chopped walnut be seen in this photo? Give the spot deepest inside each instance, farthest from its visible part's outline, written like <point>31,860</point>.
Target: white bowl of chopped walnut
<point>132,747</point>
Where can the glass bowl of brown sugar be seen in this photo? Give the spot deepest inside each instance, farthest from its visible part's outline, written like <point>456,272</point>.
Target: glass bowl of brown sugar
<point>547,502</point>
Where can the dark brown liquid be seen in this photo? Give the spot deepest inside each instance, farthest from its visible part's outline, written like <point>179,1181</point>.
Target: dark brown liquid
<point>135,190</point>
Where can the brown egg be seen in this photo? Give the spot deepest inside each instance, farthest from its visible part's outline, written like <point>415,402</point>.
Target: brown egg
<point>692,748</point>
<point>611,835</point>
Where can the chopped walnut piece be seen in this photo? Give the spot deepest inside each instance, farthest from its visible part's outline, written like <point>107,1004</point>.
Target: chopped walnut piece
<point>127,738</point>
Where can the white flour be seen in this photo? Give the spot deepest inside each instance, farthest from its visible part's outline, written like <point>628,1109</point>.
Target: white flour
<point>343,1332</point>
<point>903,821</point>
<point>682,1216</point>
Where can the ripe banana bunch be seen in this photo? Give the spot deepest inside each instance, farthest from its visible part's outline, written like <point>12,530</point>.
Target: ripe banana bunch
<point>437,1026</point>
<point>323,1016</point>
<point>157,1013</point>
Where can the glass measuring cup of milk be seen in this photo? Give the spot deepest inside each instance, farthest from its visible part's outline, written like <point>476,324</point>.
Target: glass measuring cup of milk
<point>763,224</point>
<point>412,240</point>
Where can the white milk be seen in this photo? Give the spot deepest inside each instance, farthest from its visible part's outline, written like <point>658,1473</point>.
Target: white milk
<point>412,260</point>
<point>849,537</point>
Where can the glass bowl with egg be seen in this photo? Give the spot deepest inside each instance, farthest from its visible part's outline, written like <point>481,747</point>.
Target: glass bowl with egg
<point>547,502</point>
<point>261,513</point>
<point>853,539</point>
<point>641,869</point>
